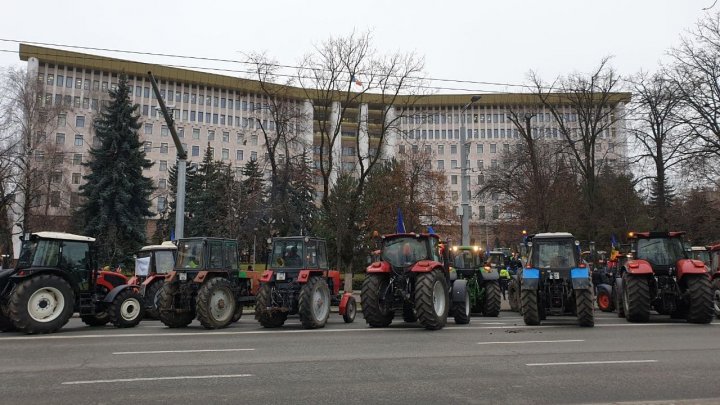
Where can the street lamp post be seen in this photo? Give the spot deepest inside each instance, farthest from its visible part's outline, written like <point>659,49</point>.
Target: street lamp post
<point>465,181</point>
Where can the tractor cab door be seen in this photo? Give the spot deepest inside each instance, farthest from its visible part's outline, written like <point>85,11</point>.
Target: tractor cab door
<point>76,260</point>
<point>231,256</point>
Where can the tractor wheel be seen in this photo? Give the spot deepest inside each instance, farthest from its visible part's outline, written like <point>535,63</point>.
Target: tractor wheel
<point>529,308</point>
<point>604,301</point>
<point>513,295</point>
<point>461,310</point>
<point>493,297</point>
<point>238,313</point>
<point>126,310</point>
<point>268,317</point>
<point>584,307</point>
<point>701,299</point>
<point>41,304</point>
<point>716,297</point>
<point>6,324</point>
<point>618,299</point>
<point>152,295</point>
<point>636,298</point>
<point>377,314</point>
<point>350,310</point>
<point>409,314</point>
<point>432,299</point>
<point>314,303</point>
<point>215,304</point>
<point>168,314</point>
<point>99,319</point>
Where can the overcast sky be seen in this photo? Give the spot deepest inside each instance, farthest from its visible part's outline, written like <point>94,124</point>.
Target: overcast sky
<point>490,41</point>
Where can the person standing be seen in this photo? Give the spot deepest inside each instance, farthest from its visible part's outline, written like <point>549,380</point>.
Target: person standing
<point>504,281</point>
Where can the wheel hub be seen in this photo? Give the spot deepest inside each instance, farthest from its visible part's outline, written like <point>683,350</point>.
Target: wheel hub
<point>438,298</point>
<point>46,304</point>
<point>130,309</point>
<point>219,308</point>
<point>320,305</point>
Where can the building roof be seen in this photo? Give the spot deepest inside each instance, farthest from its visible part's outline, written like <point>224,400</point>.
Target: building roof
<point>63,236</point>
<point>161,72</point>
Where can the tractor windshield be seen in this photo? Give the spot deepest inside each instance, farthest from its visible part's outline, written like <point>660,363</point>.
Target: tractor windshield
<point>554,254</point>
<point>497,259</point>
<point>39,253</point>
<point>287,253</point>
<point>190,254</point>
<point>465,259</point>
<point>404,251</point>
<point>164,261</point>
<point>702,255</point>
<point>660,251</point>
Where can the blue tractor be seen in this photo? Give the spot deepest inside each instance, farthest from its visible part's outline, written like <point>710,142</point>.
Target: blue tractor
<point>555,281</point>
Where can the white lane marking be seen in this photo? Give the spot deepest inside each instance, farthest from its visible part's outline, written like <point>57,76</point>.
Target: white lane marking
<point>573,363</point>
<point>185,351</point>
<point>517,342</point>
<point>279,332</point>
<point>181,377</point>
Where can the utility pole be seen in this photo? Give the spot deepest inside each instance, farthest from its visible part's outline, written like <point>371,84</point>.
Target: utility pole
<point>181,162</point>
<point>465,180</point>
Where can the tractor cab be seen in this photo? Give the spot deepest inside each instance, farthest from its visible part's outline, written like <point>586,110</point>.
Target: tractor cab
<point>155,259</point>
<point>714,264</point>
<point>555,253</point>
<point>700,253</point>
<point>207,255</point>
<point>403,251</point>
<point>497,260</point>
<point>662,250</point>
<point>466,259</point>
<point>298,252</point>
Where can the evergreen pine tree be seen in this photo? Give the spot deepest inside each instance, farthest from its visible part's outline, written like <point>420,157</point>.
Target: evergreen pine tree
<point>116,194</point>
<point>301,209</point>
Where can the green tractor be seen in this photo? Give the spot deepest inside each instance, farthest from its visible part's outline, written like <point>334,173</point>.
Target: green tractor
<point>483,282</point>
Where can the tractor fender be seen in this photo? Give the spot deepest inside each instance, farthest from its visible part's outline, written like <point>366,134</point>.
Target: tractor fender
<point>379,267</point>
<point>266,276</point>
<point>638,267</point>
<point>152,279</point>
<point>425,266</point>
<point>343,302</point>
<point>459,289</point>
<point>15,277</point>
<point>170,276</point>
<point>134,280</point>
<point>304,275</point>
<point>110,297</point>
<point>580,277</point>
<point>689,266</point>
<point>489,274</point>
<point>334,278</point>
<point>530,279</point>
<point>606,288</point>
<point>110,279</point>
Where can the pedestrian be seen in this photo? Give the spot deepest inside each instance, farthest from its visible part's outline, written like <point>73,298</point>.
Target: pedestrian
<point>504,281</point>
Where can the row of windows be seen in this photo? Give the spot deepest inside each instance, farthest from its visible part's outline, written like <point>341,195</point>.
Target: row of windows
<point>418,118</point>
<point>210,133</point>
<point>480,148</point>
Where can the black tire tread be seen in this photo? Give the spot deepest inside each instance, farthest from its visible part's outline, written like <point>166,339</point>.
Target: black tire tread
<point>529,309</point>
<point>637,290</point>
<point>268,318</point>
<point>493,299</point>
<point>168,316</point>
<point>202,306</point>
<point>100,319</point>
<point>424,303</point>
<point>114,309</point>
<point>17,306</point>
<point>370,301</point>
<point>700,292</point>
<point>584,307</point>
<point>461,318</point>
<point>305,304</point>
<point>151,310</point>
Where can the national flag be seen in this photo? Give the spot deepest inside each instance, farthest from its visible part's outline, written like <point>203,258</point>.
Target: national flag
<point>400,228</point>
<point>430,230</point>
<point>356,81</point>
<point>613,241</point>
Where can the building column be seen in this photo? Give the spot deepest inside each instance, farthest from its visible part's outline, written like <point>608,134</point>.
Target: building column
<point>391,136</point>
<point>308,127</point>
<point>363,138</point>
<point>336,151</point>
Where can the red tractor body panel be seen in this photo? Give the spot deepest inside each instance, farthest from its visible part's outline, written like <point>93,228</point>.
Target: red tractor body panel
<point>639,267</point>
<point>343,302</point>
<point>689,266</point>
<point>110,280</point>
<point>334,275</point>
<point>425,266</point>
<point>152,279</point>
<point>379,267</point>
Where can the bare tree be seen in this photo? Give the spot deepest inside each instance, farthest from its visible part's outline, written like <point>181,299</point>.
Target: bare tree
<point>656,127</point>
<point>584,108</point>
<point>339,79</point>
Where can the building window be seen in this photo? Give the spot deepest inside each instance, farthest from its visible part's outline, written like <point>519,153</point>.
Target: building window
<point>162,184</point>
<point>495,212</point>
<point>238,154</point>
<point>441,165</point>
<point>211,135</point>
<point>161,203</point>
<point>80,121</point>
<point>181,132</point>
<point>163,165</point>
<point>196,151</point>
<point>494,164</point>
<point>226,136</point>
<point>60,139</point>
<point>453,164</point>
<point>254,140</point>
<point>164,131</point>
<point>493,148</point>
<point>196,133</point>
<point>78,140</point>
<point>62,120</point>
<point>76,178</point>
<point>77,159</point>
<point>164,147</point>
<point>441,149</point>
<point>481,212</point>
<point>148,129</point>
<point>453,179</point>
<point>453,149</point>
<point>148,146</point>
<point>253,156</point>
<point>479,148</point>
<point>480,164</point>
<point>225,154</point>
<point>506,147</point>
<point>55,199</point>
<point>60,81</point>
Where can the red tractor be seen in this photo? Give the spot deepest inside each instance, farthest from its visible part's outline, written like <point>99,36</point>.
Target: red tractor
<point>658,274</point>
<point>714,265</point>
<point>413,279</point>
<point>152,263</point>
<point>298,280</point>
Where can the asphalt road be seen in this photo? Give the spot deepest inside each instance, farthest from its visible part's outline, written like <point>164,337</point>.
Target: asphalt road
<point>492,360</point>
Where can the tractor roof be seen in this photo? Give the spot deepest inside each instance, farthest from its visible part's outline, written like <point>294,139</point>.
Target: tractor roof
<point>298,237</point>
<point>714,247</point>
<point>496,252</point>
<point>553,235</point>
<point>63,236</point>
<point>165,246</point>
<point>206,238</point>
<point>655,234</point>
<point>698,249</point>
<point>411,235</point>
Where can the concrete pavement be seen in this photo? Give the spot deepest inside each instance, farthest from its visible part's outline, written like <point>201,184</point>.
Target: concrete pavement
<point>492,360</point>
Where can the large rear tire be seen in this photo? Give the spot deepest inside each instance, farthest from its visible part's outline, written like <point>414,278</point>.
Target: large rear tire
<point>409,314</point>
<point>584,307</point>
<point>100,319</point>
<point>126,310</point>
<point>513,295</point>
<point>530,310</point>
<point>377,314</point>
<point>268,316</point>
<point>151,298</point>
<point>6,324</point>
<point>314,303</point>
<point>168,314</point>
<point>461,310</point>
<point>636,298</point>
<point>716,297</point>
<point>493,299</point>
<point>41,304</point>
<point>432,299</point>
<point>618,298</point>
<point>700,292</point>
<point>215,303</point>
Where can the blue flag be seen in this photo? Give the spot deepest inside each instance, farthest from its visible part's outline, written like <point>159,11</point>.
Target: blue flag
<point>613,241</point>
<point>431,231</point>
<point>172,234</point>
<point>400,228</point>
